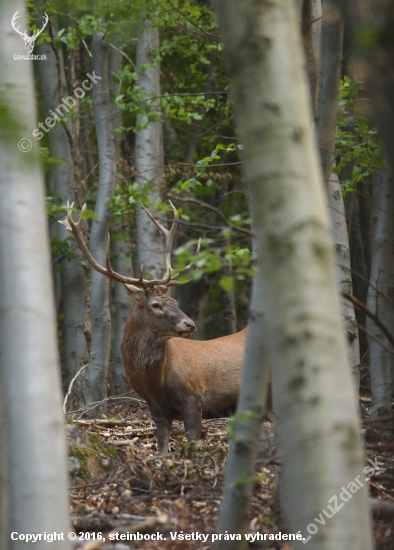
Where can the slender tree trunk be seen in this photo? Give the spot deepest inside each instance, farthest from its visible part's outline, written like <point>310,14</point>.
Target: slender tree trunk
<point>342,253</point>
<point>228,301</point>
<point>240,469</point>
<point>377,302</point>
<point>357,207</point>
<point>308,38</point>
<point>149,157</point>
<point>302,321</point>
<point>72,275</point>
<point>390,320</point>
<point>330,63</point>
<point>317,12</point>
<point>122,255</point>
<point>95,381</point>
<point>28,354</point>
<point>122,264</point>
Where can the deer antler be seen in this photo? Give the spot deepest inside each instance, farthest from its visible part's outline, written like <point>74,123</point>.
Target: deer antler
<point>13,23</point>
<point>167,279</point>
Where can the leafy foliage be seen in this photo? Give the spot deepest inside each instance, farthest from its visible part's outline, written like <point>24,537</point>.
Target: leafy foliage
<point>358,143</point>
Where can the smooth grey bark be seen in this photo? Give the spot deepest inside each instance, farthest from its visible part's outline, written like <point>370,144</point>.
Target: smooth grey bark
<point>302,320</point>
<point>94,386</point>
<point>240,468</point>
<point>122,264</point>
<point>149,156</point>
<point>120,249</point>
<point>317,12</point>
<point>330,63</point>
<point>344,278</point>
<point>72,277</point>
<point>382,259</point>
<point>28,353</point>
<point>308,39</point>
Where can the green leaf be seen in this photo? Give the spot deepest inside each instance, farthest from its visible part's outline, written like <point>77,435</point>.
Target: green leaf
<point>226,283</point>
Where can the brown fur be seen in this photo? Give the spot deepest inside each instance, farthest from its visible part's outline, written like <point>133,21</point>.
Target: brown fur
<point>179,378</point>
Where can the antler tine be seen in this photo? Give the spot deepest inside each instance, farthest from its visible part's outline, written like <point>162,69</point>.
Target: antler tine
<point>173,282</point>
<point>169,235</point>
<point>76,229</point>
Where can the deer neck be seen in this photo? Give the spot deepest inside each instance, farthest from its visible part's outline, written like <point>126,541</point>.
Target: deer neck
<point>145,350</point>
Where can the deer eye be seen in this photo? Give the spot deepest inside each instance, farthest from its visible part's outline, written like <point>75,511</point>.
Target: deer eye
<point>155,305</point>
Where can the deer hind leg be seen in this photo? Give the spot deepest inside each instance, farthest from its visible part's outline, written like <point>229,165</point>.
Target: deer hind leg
<point>163,434</point>
<point>192,416</point>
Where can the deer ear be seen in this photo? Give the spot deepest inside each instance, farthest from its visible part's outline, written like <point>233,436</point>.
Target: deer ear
<point>136,293</point>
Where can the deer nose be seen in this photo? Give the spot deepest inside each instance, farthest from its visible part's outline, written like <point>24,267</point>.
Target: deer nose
<point>188,325</point>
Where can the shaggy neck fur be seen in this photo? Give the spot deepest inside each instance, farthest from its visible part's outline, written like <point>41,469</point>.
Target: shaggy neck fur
<point>143,348</point>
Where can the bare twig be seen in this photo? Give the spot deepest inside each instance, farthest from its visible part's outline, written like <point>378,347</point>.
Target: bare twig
<point>104,422</point>
<point>70,387</point>
<point>124,442</point>
<point>89,408</point>
<point>217,212</point>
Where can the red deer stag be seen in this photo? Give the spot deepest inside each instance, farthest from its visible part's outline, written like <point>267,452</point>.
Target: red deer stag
<point>179,378</point>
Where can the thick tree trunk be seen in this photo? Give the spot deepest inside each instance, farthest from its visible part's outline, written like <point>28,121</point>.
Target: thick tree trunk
<point>382,259</point>
<point>72,275</point>
<point>28,354</point>
<point>149,157</point>
<point>303,332</point>
<point>95,382</point>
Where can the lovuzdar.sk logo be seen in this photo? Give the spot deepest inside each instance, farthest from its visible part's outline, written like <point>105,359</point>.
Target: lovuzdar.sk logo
<point>29,40</point>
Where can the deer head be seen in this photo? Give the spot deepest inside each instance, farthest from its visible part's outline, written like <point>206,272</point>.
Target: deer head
<point>159,314</point>
<point>29,40</point>
<point>156,309</point>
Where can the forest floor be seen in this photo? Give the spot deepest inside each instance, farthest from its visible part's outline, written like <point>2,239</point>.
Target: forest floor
<point>135,490</point>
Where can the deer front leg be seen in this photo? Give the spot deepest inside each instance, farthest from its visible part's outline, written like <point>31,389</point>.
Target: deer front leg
<point>163,434</point>
<point>192,416</point>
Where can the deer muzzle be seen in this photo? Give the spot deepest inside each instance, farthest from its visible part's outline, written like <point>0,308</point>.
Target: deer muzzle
<point>185,328</point>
